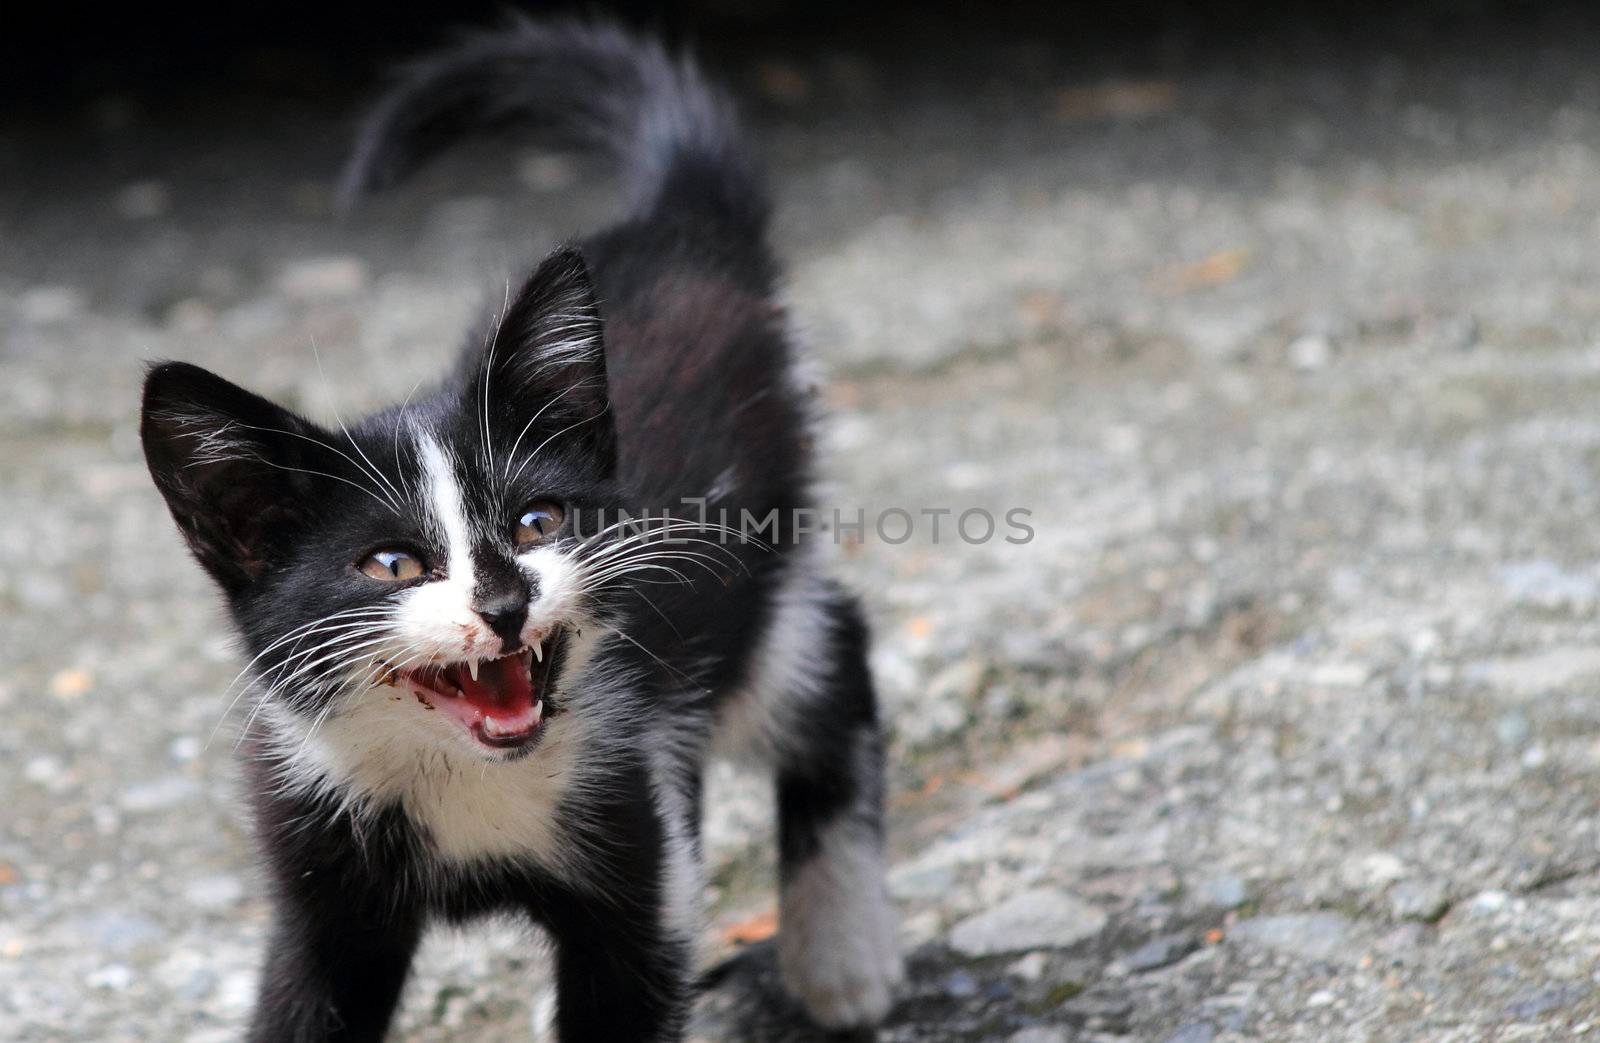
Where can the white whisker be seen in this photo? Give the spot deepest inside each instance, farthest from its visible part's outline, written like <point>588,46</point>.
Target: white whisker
<point>370,468</point>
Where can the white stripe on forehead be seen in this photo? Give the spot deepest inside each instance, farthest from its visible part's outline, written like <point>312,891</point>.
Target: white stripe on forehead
<point>449,512</point>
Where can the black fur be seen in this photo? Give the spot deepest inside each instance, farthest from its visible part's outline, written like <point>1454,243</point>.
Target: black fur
<point>647,364</point>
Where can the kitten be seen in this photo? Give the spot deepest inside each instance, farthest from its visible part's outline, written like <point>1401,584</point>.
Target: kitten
<point>477,691</point>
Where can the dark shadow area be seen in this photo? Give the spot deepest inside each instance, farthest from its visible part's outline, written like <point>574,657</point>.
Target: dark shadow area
<point>69,55</point>
<point>232,128</point>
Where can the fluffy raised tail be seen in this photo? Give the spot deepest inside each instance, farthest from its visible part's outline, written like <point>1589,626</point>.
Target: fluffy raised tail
<point>591,86</point>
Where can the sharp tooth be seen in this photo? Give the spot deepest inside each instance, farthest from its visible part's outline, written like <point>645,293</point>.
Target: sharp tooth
<point>538,711</point>
<point>538,651</point>
<point>472,668</point>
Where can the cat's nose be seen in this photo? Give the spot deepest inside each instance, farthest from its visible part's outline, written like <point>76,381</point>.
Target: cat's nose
<point>505,615</point>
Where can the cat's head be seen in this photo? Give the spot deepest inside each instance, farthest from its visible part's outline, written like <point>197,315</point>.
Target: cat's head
<point>435,547</point>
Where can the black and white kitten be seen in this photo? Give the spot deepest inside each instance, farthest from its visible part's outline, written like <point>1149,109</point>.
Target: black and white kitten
<point>477,691</point>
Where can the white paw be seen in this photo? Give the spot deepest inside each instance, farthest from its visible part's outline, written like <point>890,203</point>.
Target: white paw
<point>843,994</point>
<point>837,951</point>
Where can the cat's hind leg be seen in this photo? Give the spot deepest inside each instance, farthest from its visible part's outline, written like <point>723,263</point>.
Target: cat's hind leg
<point>812,712</point>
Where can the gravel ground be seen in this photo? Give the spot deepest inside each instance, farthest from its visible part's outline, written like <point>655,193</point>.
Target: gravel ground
<point>1282,727</point>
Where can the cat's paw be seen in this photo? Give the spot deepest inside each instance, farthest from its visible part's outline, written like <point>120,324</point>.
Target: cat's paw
<point>841,962</point>
<point>844,998</point>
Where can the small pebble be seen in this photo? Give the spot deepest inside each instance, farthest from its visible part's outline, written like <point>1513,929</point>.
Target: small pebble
<point>321,278</point>
<point>1040,1034</point>
<point>1159,952</point>
<point>1512,729</point>
<point>1029,920</point>
<point>1424,900</point>
<point>1194,1032</point>
<point>1030,968</point>
<point>1223,892</point>
<point>1311,936</point>
<point>45,305</point>
<point>158,794</point>
<point>960,985</point>
<point>214,892</point>
<point>184,748</point>
<point>1310,352</point>
<point>114,976</point>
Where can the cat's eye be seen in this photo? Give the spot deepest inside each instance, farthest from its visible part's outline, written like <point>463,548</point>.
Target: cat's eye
<point>539,521</point>
<point>392,565</point>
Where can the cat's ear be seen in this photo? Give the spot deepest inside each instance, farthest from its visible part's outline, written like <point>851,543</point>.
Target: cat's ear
<point>236,470</point>
<point>546,363</point>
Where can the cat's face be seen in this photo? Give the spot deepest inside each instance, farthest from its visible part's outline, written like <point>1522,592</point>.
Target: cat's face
<point>440,551</point>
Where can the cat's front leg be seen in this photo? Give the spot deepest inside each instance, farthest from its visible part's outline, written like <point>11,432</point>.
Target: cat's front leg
<point>614,985</point>
<point>624,928</point>
<point>344,929</point>
<point>334,970</point>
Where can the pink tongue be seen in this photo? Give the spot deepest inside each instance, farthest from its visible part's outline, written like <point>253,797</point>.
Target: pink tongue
<point>502,684</point>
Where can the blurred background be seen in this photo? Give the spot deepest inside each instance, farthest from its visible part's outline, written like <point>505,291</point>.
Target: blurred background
<point>1283,320</point>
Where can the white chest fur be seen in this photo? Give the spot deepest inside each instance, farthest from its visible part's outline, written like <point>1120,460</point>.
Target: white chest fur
<point>376,753</point>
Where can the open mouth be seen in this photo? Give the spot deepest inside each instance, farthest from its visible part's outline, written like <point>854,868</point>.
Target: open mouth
<point>502,702</point>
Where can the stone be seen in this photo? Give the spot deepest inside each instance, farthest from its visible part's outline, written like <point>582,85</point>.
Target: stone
<point>1193,1032</point>
<point>45,305</point>
<point>1102,1007</point>
<point>1512,728</point>
<point>114,976</point>
<point>214,892</point>
<point>158,794</point>
<point>1310,352</point>
<point>1424,900</point>
<point>1223,892</point>
<point>1456,332</point>
<point>1537,672</point>
<point>1546,585</point>
<point>118,932</point>
<point>191,315</point>
<point>1040,918</point>
<point>322,278</point>
<point>187,974</point>
<point>1040,1034</point>
<point>1491,901</point>
<point>1159,952</point>
<point>185,748</point>
<point>46,771</point>
<point>1030,967</point>
<point>1311,936</point>
<point>1372,871</point>
<point>1340,674</point>
<point>960,681</point>
<point>235,992</point>
<point>1543,1001</point>
<point>920,881</point>
<point>960,985</point>
<point>71,684</point>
